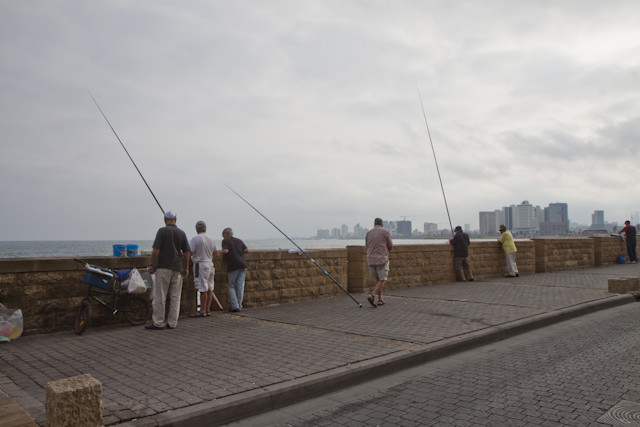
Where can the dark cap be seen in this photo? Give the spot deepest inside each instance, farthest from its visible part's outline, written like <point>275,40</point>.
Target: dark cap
<point>458,228</point>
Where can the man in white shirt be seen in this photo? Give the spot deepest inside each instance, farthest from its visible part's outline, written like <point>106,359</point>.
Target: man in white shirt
<point>203,250</point>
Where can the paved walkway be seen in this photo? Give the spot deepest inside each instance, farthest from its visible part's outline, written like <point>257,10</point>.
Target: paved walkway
<point>212,370</point>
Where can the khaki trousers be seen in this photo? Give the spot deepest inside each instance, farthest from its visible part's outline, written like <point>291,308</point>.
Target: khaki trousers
<point>167,283</point>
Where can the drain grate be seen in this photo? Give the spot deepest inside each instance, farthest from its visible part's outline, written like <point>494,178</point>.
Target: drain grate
<point>625,413</point>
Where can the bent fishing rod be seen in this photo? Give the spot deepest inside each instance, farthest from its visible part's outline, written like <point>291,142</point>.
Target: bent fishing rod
<point>296,245</point>
<point>435,160</point>
<point>126,151</point>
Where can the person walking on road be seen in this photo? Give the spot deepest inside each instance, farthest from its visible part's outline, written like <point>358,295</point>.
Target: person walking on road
<point>460,242</point>
<point>630,237</point>
<point>233,250</point>
<point>170,264</point>
<point>203,251</point>
<point>378,243</point>
<point>509,248</point>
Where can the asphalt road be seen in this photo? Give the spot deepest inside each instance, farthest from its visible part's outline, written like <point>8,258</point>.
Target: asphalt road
<point>581,372</point>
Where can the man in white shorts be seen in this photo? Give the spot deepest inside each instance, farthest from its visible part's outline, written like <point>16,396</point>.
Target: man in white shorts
<point>203,250</point>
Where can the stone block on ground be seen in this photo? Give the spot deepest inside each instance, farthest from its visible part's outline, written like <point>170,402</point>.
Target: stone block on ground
<point>633,284</point>
<point>74,401</point>
<point>621,285</point>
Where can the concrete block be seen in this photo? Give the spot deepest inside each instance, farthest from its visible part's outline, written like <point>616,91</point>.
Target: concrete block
<point>619,285</point>
<point>74,401</point>
<point>633,284</point>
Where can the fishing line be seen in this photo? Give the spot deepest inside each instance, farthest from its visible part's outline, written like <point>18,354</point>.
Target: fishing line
<point>296,245</point>
<point>435,159</point>
<point>125,150</point>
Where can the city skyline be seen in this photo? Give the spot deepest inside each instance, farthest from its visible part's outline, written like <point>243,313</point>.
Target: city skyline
<point>521,219</point>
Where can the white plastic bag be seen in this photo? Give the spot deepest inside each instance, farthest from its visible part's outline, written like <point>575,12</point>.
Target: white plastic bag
<point>136,284</point>
<point>11,323</point>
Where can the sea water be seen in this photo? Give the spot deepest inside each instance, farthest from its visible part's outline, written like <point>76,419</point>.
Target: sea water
<point>89,248</point>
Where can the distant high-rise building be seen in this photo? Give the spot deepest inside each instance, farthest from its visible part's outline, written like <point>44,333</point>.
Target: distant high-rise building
<point>344,233</point>
<point>488,223</point>
<point>403,228</point>
<point>323,233</point>
<point>556,212</point>
<point>597,220</point>
<point>525,218</point>
<point>359,231</point>
<point>507,216</point>
<point>556,219</point>
<point>430,227</point>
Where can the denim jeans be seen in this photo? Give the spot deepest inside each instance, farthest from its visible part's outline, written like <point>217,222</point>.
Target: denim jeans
<point>631,250</point>
<point>236,287</point>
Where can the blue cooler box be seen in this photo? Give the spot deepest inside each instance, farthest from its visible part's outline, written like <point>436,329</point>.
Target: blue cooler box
<point>98,277</point>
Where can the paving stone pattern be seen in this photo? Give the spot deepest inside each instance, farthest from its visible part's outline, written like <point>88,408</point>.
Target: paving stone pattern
<point>145,373</point>
<point>569,374</point>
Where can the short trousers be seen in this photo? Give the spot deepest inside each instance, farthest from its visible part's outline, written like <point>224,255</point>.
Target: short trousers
<point>379,271</point>
<point>461,263</point>
<point>203,274</point>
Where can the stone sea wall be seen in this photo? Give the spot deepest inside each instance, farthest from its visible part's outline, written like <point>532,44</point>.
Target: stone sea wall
<point>48,290</point>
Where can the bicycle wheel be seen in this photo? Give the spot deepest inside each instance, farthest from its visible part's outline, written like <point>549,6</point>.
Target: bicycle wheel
<point>136,310</point>
<point>83,316</point>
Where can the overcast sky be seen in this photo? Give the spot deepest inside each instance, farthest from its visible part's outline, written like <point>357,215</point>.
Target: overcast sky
<point>311,111</point>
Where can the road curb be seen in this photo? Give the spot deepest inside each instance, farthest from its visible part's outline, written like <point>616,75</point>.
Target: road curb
<point>275,396</point>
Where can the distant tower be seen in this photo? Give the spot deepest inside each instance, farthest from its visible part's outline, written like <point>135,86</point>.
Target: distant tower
<point>556,219</point>
<point>597,220</point>
<point>488,223</point>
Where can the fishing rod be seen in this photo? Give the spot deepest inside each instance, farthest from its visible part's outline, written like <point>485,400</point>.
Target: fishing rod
<point>296,245</point>
<point>435,160</point>
<point>126,151</point>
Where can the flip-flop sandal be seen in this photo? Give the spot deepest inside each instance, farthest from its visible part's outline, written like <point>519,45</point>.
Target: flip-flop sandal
<point>380,302</point>
<point>371,301</point>
<point>198,314</point>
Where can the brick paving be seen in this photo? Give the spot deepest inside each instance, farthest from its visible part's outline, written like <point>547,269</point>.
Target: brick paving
<point>569,374</point>
<point>227,365</point>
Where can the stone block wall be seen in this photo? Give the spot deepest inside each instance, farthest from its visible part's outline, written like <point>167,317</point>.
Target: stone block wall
<point>606,250</point>
<point>563,254</point>
<point>274,277</point>
<point>488,259</point>
<point>420,265</point>
<point>49,290</point>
